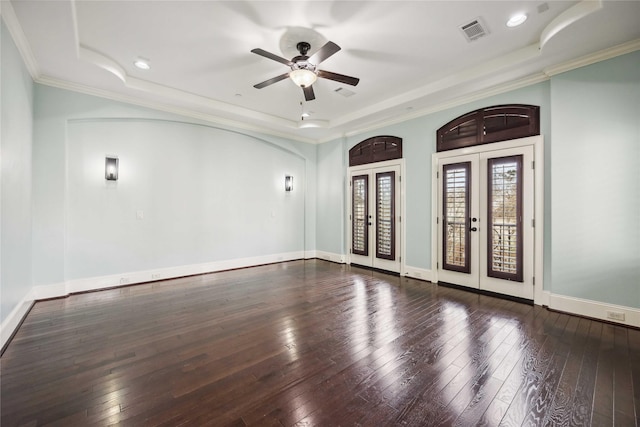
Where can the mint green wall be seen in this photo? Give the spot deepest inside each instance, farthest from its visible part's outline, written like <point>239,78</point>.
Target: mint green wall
<point>207,193</point>
<point>331,183</point>
<point>203,195</point>
<point>590,119</point>
<point>16,94</point>
<point>596,181</point>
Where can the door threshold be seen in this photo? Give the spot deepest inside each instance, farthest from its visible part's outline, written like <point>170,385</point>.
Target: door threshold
<point>379,270</point>
<point>487,293</point>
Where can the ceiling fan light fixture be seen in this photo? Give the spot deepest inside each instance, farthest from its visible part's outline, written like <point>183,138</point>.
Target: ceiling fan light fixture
<point>304,71</point>
<point>303,77</point>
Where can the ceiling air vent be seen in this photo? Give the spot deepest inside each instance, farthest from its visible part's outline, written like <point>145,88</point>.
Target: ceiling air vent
<point>543,7</point>
<point>474,30</point>
<point>344,92</point>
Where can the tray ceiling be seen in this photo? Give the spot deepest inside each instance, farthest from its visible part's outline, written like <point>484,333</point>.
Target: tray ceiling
<point>412,57</point>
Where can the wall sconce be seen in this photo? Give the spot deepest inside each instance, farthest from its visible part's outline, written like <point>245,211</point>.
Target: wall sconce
<point>111,168</point>
<point>288,183</point>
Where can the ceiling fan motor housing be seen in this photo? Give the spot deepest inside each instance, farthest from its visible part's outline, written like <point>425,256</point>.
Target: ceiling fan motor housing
<point>301,62</point>
<point>303,48</point>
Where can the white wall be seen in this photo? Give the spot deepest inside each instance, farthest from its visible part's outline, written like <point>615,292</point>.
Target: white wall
<point>16,93</point>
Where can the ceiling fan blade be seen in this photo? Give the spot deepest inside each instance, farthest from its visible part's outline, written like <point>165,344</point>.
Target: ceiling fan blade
<point>270,55</point>
<point>325,51</point>
<point>308,93</point>
<point>271,81</point>
<point>353,81</point>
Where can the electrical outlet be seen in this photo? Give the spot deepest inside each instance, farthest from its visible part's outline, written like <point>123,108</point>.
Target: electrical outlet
<point>615,315</point>
<point>124,280</point>
<point>155,276</point>
<point>418,274</point>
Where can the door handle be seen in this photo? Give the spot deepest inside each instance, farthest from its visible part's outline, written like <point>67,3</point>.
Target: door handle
<point>474,228</point>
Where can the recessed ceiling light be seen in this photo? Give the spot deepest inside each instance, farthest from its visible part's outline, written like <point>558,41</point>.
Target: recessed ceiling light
<point>143,64</point>
<point>516,20</point>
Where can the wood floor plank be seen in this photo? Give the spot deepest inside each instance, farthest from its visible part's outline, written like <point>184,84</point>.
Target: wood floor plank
<point>634,353</point>
<point>313,343</point>
<point>581,408</point>
<point>558,413</point>
<point>623,391</point>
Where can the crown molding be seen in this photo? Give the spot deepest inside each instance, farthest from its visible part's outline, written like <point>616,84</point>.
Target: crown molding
<point>549,72</point>
<point>546,74</point>
<point>99,59</point>
<point>603,55</point>
<point>472,97</point>
<point>528,53</point>
<point>185,112</point>
<point>102,61</point>
<point>518,56</point>
<point>15,29</point>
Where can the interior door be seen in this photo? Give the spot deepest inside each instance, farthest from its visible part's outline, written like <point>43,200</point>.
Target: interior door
<point>374,217</point>
<point>485,221</point>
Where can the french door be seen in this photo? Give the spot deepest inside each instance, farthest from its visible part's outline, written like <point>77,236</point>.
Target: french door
<point>374,216</point>
<point>485,220</point>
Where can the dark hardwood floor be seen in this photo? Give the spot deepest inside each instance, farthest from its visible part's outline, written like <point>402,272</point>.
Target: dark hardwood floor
<point>314,343</point>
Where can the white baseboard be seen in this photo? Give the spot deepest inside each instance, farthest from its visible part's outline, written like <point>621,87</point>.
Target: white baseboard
<point>594,309</point>
<point>12,321</point>
<point>330,256</point>
<point>582,307</point>
<point>53,290</point>
<point>95,283</point>
<point>542,298</point>
<point>58,290</point>
<point>417,273</point>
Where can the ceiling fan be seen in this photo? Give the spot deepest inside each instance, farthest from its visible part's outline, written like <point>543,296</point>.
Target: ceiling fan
<point>304,70</point>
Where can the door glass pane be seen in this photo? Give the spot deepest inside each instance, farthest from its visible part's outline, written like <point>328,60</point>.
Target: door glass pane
<point>456,205</point>
<point>360,238</point>
<point>385,215</point>
<point>505,218</point>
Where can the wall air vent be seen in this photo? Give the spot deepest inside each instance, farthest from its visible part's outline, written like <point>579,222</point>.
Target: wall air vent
<point>474,30</point>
